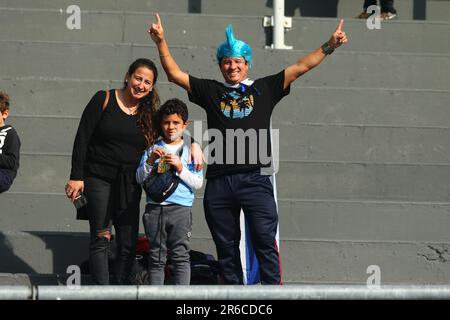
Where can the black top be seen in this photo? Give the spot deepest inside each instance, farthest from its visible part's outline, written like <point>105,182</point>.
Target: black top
<point>107,141</point>
<point>245,112</point>
<point>9,150</point>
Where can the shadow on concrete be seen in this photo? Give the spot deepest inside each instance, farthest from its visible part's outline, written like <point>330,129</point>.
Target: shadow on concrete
<point>195,6</point>
<point>419,9</point>
<point>329,8</point>
<point>67,249</point>
<point>50,252</point>
<point>53,252</point>
<point>309,8</point>
<point>9,262</point>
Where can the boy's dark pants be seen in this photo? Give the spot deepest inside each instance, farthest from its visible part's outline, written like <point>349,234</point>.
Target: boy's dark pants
<point>223,200</point>
<point>168,229</point>
<point>5,181</point>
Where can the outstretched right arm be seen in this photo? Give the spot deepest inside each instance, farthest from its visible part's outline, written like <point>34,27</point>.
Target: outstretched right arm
<point>173,71</point>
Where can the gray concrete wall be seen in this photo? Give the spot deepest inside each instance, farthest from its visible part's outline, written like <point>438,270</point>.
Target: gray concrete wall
<point>365,139</point>
<point>312,178</point>
<point>298,141</point>
<point>407,9</point>
<point>305,105</point>
<point>183,29</point>
<point>107,61</point>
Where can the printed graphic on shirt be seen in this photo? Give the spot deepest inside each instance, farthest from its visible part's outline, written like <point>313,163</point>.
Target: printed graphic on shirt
<point>236,105</point>
<point>3,134</point>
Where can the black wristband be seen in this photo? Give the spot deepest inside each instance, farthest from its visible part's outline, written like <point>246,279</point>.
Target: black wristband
<point>326,49</point>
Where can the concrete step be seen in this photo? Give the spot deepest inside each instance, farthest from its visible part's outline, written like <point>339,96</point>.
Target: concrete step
<point>320,142</point>
<point>331,105</point>
<point>54,212</point>
<point>37,252</point>
<point>24,279</point>
<point>407,9</point>
<point>184,29</point>
<point>362,181</point>
<point>398,36</point>
<point>323,261</point>
<point>297,179</point>
<point>342,69</point>
<point>364,144</point>
<point>348,261</point>
<point>299,219</point>
<point>150,6</point>
<point>53,252</point>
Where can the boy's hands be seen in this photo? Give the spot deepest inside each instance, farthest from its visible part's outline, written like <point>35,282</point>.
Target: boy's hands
<point>156,30</point>
<point>156,154</point>
<point>170,158</point>
<point>174,160</point>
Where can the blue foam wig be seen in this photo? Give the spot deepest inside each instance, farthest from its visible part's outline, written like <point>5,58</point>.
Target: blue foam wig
<point>234,48</point>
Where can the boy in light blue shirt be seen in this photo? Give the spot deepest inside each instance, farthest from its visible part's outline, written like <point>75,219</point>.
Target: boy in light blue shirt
<point>168,224</point>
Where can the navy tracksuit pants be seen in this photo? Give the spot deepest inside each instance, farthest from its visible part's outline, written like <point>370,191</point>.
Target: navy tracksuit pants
<point>5,181</point>
<point>223,200</point>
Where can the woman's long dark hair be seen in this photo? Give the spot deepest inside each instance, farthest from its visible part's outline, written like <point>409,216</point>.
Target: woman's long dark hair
<point>149,104</point>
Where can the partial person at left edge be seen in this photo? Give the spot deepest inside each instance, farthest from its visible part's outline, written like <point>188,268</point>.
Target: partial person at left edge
<point>9,147</point>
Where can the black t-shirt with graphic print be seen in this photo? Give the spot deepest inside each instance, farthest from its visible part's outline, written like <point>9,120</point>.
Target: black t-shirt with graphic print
<point>238,122</point>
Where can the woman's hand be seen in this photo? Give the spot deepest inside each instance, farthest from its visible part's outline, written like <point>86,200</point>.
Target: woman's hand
<point>196,155</point>
<point>156,30</point>
<point>338,37</point>
<point>73,188</point>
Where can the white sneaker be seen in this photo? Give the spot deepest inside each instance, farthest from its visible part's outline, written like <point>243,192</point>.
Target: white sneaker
<point>387,15</point>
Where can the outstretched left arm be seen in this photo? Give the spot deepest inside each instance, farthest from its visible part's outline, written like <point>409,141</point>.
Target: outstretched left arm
<point>314,58</point>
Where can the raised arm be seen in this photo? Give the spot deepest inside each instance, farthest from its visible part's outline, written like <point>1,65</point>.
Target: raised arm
<point>313,59</point>
<point>173,71</point>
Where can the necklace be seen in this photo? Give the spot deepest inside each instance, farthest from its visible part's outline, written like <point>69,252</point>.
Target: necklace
<point>131,110</point>
<point>128,110</point>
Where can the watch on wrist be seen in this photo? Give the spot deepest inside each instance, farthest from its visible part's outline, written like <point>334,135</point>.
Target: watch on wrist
<point>326,49</point>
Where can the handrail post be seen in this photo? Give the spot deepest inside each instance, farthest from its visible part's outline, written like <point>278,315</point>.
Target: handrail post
<point>278,22</point>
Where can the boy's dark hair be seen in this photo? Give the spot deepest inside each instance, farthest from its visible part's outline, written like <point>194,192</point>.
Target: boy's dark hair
<point>4,101</point>
<point>173,106</point>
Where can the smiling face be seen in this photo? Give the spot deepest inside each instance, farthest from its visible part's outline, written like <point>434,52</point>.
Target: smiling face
<point>140,82</point>
<point>234,70</point>
<point>172,127</point>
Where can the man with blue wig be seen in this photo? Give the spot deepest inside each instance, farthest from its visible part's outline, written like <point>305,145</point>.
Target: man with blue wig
<point>233,182</point>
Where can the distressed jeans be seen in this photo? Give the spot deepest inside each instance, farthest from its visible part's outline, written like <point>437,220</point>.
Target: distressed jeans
<point>103,213</point>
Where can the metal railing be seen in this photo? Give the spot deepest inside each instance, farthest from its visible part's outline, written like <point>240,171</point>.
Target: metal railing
<point>205,292</point>
<point>278,25</point>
